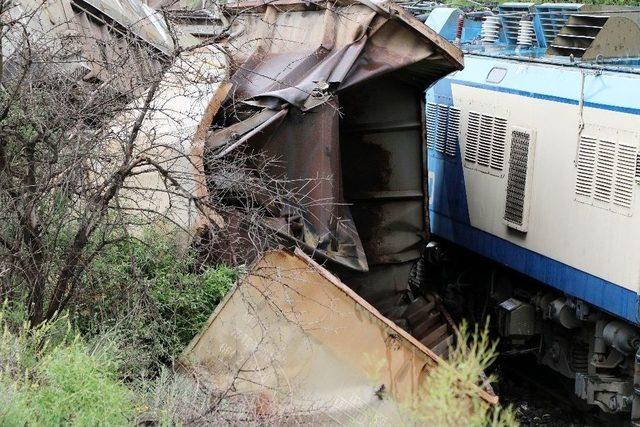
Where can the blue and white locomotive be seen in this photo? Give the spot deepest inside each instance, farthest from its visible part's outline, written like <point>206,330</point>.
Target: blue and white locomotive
<point>533,163</point>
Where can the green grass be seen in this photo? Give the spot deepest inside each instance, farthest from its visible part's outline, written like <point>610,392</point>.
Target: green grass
<point>49,376</point>
<point>450,395</point>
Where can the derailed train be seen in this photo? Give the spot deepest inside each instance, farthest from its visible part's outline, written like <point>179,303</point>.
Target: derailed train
<point>533,163</point>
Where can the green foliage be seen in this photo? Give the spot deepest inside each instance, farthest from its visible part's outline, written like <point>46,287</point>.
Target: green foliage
<point>80,388</point>
<point>139,305</point>
<point>50,376</point>
<point>151,297</point>
<point>450,395</point>
<point>22,347</point>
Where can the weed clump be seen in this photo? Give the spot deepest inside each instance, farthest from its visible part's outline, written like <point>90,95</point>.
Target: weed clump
<point>50,376</point>
<point>450,395</point>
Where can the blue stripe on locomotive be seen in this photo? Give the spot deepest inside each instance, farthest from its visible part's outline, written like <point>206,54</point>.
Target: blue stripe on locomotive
<point>449,214</point>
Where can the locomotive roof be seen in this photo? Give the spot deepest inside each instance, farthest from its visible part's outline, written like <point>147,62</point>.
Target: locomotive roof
<point>539,55</point>
<point>567,34</point>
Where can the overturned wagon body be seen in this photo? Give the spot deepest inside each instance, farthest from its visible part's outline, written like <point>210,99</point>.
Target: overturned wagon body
<point>309,345</point>
<point>335,92</point>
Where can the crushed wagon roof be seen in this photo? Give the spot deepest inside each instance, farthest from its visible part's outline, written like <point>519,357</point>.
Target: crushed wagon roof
<point>293,48</point>
<point>297,58</point>
<point>146,22</point>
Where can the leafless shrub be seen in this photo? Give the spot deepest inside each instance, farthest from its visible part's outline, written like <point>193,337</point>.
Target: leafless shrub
<point>177,399</point>
<point>94,146</point>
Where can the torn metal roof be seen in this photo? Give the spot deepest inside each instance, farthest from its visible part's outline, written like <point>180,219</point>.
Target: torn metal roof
<point>138,17</point>
<point>95,37</point>
<point>294,49</point>
<point>130,17</point>
<point>307,60</point>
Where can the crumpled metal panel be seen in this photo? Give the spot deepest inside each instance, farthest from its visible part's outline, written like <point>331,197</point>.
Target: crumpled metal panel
<point>95,34</point>
<point>144,21</point>
<point>135,16</point>
<point>316,166</point>
<point>306,57</point>
<point>286,54</point>
<point>293,333</point>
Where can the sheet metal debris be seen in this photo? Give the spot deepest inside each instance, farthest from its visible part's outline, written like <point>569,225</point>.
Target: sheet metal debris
<point>295,334</point>
<point>306,61</point>
<point>93,35</point>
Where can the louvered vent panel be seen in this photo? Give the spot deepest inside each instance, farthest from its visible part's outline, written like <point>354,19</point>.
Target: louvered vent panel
<point>517,179</point>
<point>586,166</point>
<point>432,124</point>
<point>499,143</point>
<point>638,167</point>
<point>606,173</point>
<point>577,35</point>
<point>443,128</point>
<point>441,136</point>
<point>605,164</point>
<point>510,15</point>
<point>453,130</point>
<point>473,133</point>
<point>553,18</point>
<point>624,175</point>
<point>484,141</point>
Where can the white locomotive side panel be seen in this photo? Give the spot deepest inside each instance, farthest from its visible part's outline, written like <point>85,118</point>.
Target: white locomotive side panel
<point>595,229</point>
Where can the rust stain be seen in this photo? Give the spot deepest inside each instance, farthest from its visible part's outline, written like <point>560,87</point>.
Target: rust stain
<point>302,56</point>
<point>317,342</point>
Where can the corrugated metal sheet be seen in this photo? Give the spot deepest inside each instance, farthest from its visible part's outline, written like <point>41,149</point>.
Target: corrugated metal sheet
<point>98,36</point>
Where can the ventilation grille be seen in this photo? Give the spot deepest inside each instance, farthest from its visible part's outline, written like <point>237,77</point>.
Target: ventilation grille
<point>453,130</point>
<point>605,164</point>
<point>638,167</point>
<point>552,19</point>
<point>606,172</point>
<point>586,166</point>
<point>514,211</point>
<point>473,132</point>
<point>577,35</point>
<point>432,125</point>
<point>443,126</point>
<point>625,176</point>
<point>441,135</point>
<point>485,142</point>
<point>498,143</point>
<point>510,14</point>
